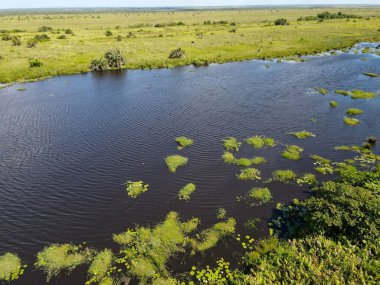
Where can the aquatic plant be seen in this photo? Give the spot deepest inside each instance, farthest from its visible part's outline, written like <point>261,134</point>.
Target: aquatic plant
<point>351,121</point>
<point>371,74</point>
<point>65,257</point>
<point>354,112</point>
<point>322,91</point>
<point>221,274</point>
<point>259,196</point>
<point>258,160</point>
<point>308,179</point>
<point>101,266</point>
<point>184,142</point>
<point>187,191</point>
<point>322,165</point>
<point>333,104</point>
<point>360,94</point>
<point>249,174</point>
<point>302,135</point>
<point>221,213</point>
<point>135,188</point>
<point>293,152</point>
<point>11,267</point>
<point>175,161</point>
<point>343,92</point>
<point>243,161</point>
<point>285,176</point>
<point>177,53</point>
<point>260,142</point>
<point>231,143</point>
<point>228,157</point>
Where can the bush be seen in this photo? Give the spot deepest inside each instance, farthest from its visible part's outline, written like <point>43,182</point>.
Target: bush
<point>99,64</point>
<point>281,22</point>
<point>45,29</point>
<point>42,38</point>
<point>6,37</point>
<point>108,33</point>
<point>69,32</point>
<point>16,41</point>
<point>114,58</point>
<point>62,37</point>
<point>35,63</point>
<point>31,43</point>
<point>177,53</point>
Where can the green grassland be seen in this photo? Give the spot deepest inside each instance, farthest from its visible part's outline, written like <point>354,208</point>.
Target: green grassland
<point>242,34</point>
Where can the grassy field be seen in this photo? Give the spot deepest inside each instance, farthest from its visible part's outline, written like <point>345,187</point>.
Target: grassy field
<point>147,37</point>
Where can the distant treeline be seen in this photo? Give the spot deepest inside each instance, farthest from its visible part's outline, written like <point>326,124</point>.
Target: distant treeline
<point>328,16</point>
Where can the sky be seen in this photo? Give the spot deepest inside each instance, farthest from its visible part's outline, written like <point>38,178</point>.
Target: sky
<point>8,4</point>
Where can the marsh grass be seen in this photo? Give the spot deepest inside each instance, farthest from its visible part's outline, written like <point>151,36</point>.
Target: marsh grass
<point>184,142</point>
<point>308,179</point>
<point>360,94</point>
<point>249,174</point>
<point>11,267</point>
<point>371,74</point>
<point>259,196</point>
<point>250,161</point>
<point>285,176</point>
<point>293,152</point>
<point>259,142</point>
<point>228,157</point>
<point>343,92</point>
<point>354,112</point>
<point>136,188</point>
<point>65,257</point>
<point>173,162</point>
<point>322,91</point>
<point>302,134</point>
<point>186,192</point>
<point>351,121</point>
<point>101,265</point>
<point>334,104</point>
<point>322,165</point>
<point>231,143</point>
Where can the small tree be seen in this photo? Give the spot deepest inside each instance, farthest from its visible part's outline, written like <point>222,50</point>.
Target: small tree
<point>108,33</point>
<point>281,22</point>
<point>115,58</point>
<point>99,64</point>
<point>177,53</point>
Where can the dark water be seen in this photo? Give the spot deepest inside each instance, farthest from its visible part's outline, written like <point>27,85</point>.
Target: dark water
<point>69,143</point>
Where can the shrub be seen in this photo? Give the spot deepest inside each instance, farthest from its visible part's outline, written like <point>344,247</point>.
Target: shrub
<point>293,152</point>
<point>115,58</point>
<point>186,191</point>
<point>35,63</point>
<point>177,53</point>
<point>119,38</point>
<point>42,38</point>
<point>31,43</point>
<point>284,176</point>
<point>175,161</point>
<point>99,64</point>
<point>281,22</point>
<point>69,32</point>
<point>184,142</point>
<point>108,33</point>
<point>45,29</point>
<point>135,189</point>
<point>16,41</point>
<point>200,62</point>
<point>62,37</point>
<point>6,37</point>
<point>231,143</point>
<point>249,174</point>
<point>11,267</point>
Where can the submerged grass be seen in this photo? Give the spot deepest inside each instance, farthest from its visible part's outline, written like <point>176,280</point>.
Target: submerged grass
<point>175,161</point>
<point>11,267</point>
<point>354,112</point>
<point>249,174</point>
<point>285,176</point>
<point>261,142</point>
<point>293,152</point>
<point>136,188</point>
<point>231,143</point>
<point>187,191</point>
<point>184,142</point>
<point>302,134</point>
<point>351,121</point>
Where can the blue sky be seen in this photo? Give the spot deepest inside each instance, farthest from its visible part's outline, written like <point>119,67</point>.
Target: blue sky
<point>5,4</point>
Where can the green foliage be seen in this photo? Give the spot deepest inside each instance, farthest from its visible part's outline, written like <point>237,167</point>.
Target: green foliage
<point>177,53</point>
<point>334,104</point>
<point>45,29</point>
<point>69,32</point>
<point>259,196</point>
<point>108,33</point>
<point>281,22</point>
<point>62,37</point>
<point>135,188</point>
<point>100,64</point>
<point>250,161</point>
<point>261,142</point>
<point>31,43</point>
<point>175,161</point>
<point>16,41</point>
<point>41,38</point>
<point>371,74</point>
<point>222,274</point>
<point>351,121</point>
<point>322,165</point>
<point>101,266</point>
<point>221,213</point>
<point>11,267</point>
<point>293,152</point>
<point>56,258</point>
<point>35,63</point>
<point>114,58</point>
<point>343,92</point>
<point>354,112</point>
<point>228,157</point>
<point>249,174</point>
<point>231,143</point>
<point>184,142</point>
<point>303,134</point>
<point>323,91</point>
<point>285,176</point>
<point>360,94</point>
<point>308,179</point>
<point>187,191</point>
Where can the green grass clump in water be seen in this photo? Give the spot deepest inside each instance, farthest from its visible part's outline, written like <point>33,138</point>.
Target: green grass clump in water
<point>371,74</point>
<point>221,214</point>
<point>333,104</point>
<point>354,112</point>
<point>186,191</point>
<point>322,165</point>
<point>11,267</point>
<point>293,152</point>
<point>21,89</point>
<point>360,94</point>
<point>228,157</point>
<point>260,142</point>
<point>135,188</point>
<point>175,161</point>
<point>308,179</point>
<point>56,258</point>
<point>249,174</point>
<point>284,176</point>
<point>303,134</point>
<point>184,142</point>
<point>323,91</point>
<point>209,238</point>
<point>351,121</point>
<point>343,92</point>
<point>258,160</point>
<point>107,281</point>
<point>250,161</point>
<point>231,143</point>
<point>101,265</point>
<point>259,196</point>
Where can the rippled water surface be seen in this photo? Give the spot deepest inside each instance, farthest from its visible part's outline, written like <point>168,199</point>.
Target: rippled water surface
<point>69,143</point>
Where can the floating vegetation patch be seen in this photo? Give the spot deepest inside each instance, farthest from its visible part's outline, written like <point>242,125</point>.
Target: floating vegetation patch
<point>175,161</point>
<point>343,147</point>
<point>250,161</point>
<point>323,91</point>
<point>343,92</point>
<point>184,142</point>
<point>56,258</point>
<point>228,157</point>
<point>360,94</point>
<point>308,179</point>
<point>249,174</point>
<point>221,213</point>
<point>261,142</point>
<point>231,143</point>
<point>371,74</point>
<point>11,267</point>
<point>258,196</point>
<point>333,104</point>
<point>101,266</point>
<point>187,191</point>
<point>303,134</point>
<point>285,176</point>
<point>354,112</point>
<point>322,165</point>
<point>222,274</point>
<point>293,152</point>
<point>21,89</point>
<point>351,121</point>
<point>135,188</point>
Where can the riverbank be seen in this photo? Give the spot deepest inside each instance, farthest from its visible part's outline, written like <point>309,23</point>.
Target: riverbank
<point>146,38</point>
